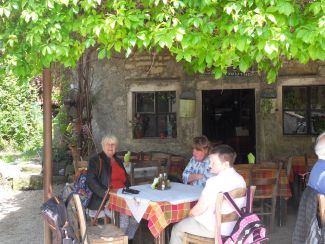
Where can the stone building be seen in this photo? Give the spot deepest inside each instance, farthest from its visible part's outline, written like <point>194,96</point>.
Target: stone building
<point>151,103</point>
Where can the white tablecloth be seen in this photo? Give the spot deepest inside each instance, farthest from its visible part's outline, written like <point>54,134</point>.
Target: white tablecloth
<point>178,193</point>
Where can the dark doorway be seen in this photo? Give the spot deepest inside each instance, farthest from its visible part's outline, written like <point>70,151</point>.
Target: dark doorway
<point>228,116</point>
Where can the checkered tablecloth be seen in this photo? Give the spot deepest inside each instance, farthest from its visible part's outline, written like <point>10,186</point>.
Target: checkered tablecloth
<point>300,167</point>
<point>284,188</point>
<point>158,214</point>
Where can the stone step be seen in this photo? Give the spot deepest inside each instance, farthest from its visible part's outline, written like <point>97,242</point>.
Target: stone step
<point>27,182</point>
<point>25,176</point>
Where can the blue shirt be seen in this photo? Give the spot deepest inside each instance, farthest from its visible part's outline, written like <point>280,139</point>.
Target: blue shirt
<point>197,167</point>
<point>317,176</point>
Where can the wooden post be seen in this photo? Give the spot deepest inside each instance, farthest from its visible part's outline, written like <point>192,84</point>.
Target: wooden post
<point>47,141</point>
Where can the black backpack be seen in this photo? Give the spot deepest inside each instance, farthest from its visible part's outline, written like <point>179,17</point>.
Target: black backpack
<point>54,212</point>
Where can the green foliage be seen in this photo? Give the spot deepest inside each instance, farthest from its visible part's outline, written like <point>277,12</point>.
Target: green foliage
<point>20,115</point>
<point>60,124</point>
<point>207,34</point>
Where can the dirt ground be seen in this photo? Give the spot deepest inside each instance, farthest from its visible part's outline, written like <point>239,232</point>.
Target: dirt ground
<point>20,219</point>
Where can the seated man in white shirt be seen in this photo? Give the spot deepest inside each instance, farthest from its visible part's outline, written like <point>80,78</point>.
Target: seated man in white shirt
<point>201,220</point>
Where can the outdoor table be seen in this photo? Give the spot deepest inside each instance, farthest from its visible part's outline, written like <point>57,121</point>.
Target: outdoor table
<point>301,167</point>
<point>160,208</point>
<point>284,187</point>
<point>284,191</point>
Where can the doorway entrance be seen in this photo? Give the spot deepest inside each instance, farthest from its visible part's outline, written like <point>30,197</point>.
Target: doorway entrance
<point>228,117</point>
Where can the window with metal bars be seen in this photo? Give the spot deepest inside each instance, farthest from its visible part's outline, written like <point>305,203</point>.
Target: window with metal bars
<point>154,114</point>
<point>303,110</point>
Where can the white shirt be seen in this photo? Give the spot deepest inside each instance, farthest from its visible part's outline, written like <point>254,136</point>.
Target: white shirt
<point>227,180</point>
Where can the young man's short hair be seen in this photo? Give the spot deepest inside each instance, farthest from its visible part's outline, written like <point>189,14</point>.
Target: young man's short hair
<point>225,153</point>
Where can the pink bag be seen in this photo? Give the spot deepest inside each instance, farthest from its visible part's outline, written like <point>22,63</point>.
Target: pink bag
<point>249,228</point>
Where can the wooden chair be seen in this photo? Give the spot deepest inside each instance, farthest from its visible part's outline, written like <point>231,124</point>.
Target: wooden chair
<point>133,157</point>
<point>79,166</point>
<point>220,218</point>
<point>243,166</point>
<point>288,166</point>
<point>145,156</point>
<point>176,167</point>
<point>283,204</point>
<point>310,160</point>
<point>321,209</point>
<point>163,157</point>
<point>267,184</point>
<point>300,179</point>
<point>78,163</point>
<point>75,153</point>
<point>144,165</point>
<point>246,174</point>
<point>103,234</point>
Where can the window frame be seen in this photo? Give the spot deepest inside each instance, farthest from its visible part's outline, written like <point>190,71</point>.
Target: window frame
<point>155,113</point>
<point>308,110</point>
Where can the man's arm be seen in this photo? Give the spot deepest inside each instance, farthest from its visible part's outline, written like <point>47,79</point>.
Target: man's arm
<point>200,207</point>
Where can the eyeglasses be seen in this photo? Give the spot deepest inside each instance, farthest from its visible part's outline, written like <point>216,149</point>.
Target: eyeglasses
<point>111,145</point>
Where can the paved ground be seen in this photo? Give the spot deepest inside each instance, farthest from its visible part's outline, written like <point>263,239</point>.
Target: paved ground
<point>20,220</point>
<point>280,235</point>
<point>283,235</point>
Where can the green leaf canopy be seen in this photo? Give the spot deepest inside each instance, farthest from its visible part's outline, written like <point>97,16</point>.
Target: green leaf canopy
<point>207,34</point>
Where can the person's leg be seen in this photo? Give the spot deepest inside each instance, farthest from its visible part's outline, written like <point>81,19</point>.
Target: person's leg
<point>189,225</point>
<point>103,214</point>
<point>132,227</point>
<point>129,225</point>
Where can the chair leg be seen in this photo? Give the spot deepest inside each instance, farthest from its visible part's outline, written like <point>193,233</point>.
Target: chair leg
<point>107,220</point>
<point>273,207</point>
<point>295,188</point>
<point>185,241</point>
<point>93,222</point>
<point>282,217</point>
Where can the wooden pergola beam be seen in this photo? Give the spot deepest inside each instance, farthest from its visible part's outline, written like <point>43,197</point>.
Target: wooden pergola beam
<point>47,145</point>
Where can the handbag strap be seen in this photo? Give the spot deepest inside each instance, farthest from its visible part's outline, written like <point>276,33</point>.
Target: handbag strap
<point>234,205</point>
<point>249,199</point>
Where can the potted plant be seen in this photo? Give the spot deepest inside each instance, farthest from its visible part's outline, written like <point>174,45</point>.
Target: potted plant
<point>139,125</point>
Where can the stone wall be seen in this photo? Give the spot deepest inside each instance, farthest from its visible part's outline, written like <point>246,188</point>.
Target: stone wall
<point>275,144</point>
<point>114,82</point>
<point>117,78</point>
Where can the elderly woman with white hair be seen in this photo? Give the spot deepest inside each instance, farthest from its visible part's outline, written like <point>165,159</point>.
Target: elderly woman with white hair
<point>105,172</point>
<point>317,174</point>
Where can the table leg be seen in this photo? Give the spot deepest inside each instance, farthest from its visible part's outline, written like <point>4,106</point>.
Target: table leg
<point>116,218</point>
<point>282,213</point>
<point>161,238</point>
<point>296,188</point>
<point>168,232</point>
